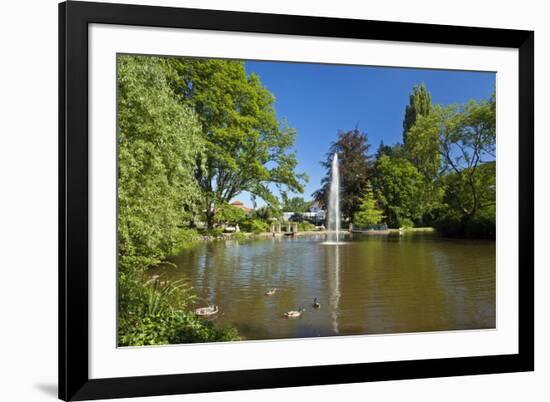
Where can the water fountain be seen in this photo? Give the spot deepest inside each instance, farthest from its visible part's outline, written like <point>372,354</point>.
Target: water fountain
<point>333,223</point>
<point>333,238</point>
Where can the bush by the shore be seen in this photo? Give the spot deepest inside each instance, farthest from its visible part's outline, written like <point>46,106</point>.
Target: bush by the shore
<point>156,312</point>
<point>481,225</point>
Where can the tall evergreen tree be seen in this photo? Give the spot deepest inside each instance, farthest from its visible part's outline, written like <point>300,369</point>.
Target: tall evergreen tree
<point>368,213</point>
<point>420,104</point>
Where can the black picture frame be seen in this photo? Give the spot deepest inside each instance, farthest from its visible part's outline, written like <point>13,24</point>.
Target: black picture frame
<point>74,381</point>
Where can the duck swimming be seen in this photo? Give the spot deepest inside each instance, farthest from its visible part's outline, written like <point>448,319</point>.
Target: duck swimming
<point>294,313</point>
<point>207,311</point>
<point>316,304</point>
<point>271,292</point>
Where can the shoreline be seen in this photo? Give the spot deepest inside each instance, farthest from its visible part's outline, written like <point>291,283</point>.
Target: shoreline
<point>426,229</point>
<point>264,235</point>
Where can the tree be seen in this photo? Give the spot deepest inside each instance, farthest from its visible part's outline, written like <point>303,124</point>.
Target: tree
<point>159,147</point>
<point>420,104</point>
<point>227,213</point>
<point>388,150</point>
<point>454,220</point>
<point>267,213</point>
<point>295,204</point>
<point>468,141</point>
<point>422,147</point>
<point>352,148</point>
<point>368,213</point>
<point>398,187</point>
<point>247,148</point>
<point>423,150</point>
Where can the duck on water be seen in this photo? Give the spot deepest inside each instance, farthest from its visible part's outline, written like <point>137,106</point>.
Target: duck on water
<point>294,313</point>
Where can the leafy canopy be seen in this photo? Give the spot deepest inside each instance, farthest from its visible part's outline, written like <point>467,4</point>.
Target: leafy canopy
<point>295,204</point>
<point>398,187</point>
<point>247,148</point>
<point>159,146</point>
<point>226,213</point>
<point>468,142</point>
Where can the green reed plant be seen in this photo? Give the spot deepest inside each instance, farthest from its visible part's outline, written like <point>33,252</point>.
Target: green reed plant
<point>156,312</point>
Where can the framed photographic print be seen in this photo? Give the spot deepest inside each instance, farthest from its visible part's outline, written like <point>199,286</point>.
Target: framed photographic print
<point>256,200</point>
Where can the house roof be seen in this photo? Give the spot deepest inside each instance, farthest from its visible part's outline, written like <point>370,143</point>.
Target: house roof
<point>240,205</point>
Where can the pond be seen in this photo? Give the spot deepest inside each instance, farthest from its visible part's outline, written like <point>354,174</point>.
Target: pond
<point>369,285</point>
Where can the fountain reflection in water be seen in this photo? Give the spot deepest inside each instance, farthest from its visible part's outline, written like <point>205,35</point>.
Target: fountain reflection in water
<point>334,286</point>
<point>333,239</point>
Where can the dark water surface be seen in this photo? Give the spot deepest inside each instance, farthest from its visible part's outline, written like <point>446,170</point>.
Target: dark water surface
<point>370,285</point>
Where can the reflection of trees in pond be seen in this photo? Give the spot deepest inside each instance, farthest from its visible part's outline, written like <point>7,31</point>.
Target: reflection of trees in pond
<point>469,287</point>
<point>398,286</point>
<point>236,276</point>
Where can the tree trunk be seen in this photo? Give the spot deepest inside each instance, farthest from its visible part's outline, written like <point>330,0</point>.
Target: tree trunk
<point>210,212</point>
<point>209,218</point>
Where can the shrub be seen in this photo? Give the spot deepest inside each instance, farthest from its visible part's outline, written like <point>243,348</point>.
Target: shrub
<point>172,328</point>
<point>185,238</point>
<point>156,313</point>
<point>481,225</point>
<point>406,223</point>
<point>306,226</point>
<point>255,226</point>
<point>238,236</point>
<point>214,232</point>
<point>229,214</point>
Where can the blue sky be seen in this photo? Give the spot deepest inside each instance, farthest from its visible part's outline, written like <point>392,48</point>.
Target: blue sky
<point>320,99</point>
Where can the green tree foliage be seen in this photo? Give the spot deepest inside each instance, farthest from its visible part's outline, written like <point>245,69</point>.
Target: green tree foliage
<point>468,141</point>
<point>159,144</point>
<point>423,150</point>
<point>228,214</point>
<point>306,226</point>
<point>420,104</point>
<point>422,147</point>
<point>157,313</point>
<point>456,218</point>
<point>255,226</point>
<point>388,150</point>
<point>368,213</point>
<point>352,148</point>
<point>267,213</point>
<point>398,187</point>
<point>444,171</point>
<point>247,148</point>
<point>295,204</point>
